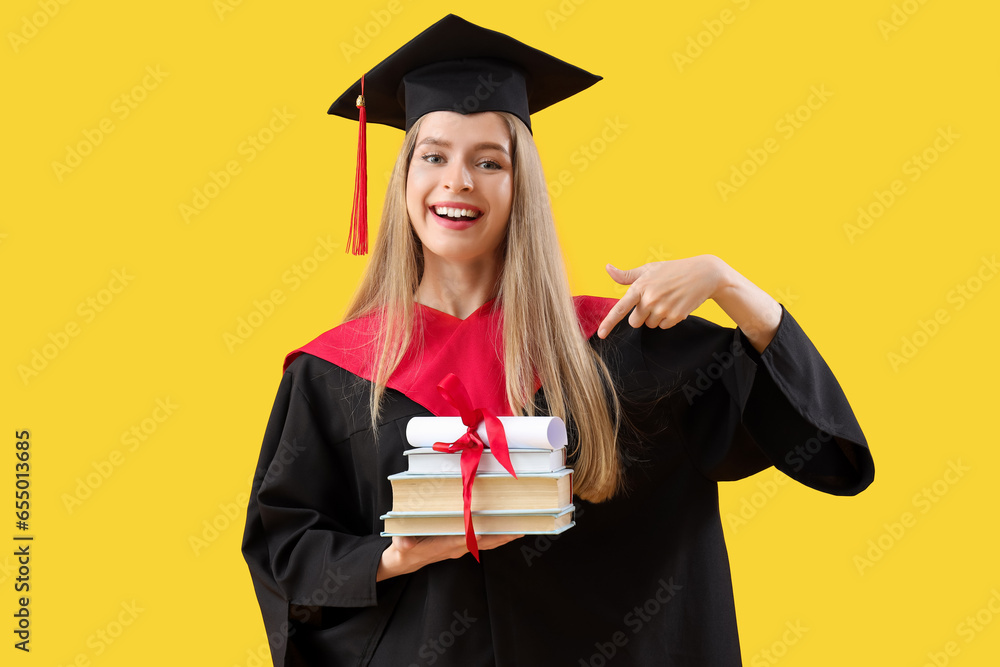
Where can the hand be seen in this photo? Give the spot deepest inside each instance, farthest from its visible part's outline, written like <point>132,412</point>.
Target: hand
<point>409,554</point>
<point>664,293</point>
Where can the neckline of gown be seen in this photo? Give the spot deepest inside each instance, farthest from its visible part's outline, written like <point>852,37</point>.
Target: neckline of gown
<point>478,312</point>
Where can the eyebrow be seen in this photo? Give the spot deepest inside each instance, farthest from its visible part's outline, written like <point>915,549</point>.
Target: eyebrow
<point>485,145</point>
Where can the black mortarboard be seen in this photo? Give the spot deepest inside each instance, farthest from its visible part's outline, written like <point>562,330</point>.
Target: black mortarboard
<point>458,66</point>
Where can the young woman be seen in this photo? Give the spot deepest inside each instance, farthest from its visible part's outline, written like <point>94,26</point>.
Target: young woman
<point>466,278</point>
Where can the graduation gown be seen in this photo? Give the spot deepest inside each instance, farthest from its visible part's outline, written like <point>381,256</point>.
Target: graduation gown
<point>642,579</point>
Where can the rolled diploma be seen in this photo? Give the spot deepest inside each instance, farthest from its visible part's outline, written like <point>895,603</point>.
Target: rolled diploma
<point>522,432</point>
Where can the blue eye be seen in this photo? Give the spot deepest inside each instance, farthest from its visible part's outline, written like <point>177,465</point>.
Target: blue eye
<point>491,164</point>
<point>432,158</point>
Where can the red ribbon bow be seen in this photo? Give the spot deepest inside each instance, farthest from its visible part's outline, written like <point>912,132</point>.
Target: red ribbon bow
<point>471,446</point>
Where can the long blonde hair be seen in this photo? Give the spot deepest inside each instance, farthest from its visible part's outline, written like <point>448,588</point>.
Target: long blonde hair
<point>541,332</point>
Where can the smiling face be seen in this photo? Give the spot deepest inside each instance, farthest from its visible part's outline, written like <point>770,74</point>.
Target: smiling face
<point>459,186</point>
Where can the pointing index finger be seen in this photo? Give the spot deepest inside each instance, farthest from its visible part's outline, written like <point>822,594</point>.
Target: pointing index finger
<point>617,312</point>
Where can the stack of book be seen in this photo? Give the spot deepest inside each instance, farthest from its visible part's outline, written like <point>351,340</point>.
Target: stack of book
<point>427,498</point>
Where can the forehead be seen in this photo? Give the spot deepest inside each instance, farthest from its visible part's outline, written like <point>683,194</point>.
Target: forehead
<point>457,128</point>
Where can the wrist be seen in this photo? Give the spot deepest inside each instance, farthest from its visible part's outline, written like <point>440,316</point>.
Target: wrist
<point>724,277</point>
<point>388,565</point>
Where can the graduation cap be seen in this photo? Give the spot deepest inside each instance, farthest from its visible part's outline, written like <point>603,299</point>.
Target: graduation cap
<point>457,66</point>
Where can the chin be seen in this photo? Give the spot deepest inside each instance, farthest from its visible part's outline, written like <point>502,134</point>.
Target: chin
<point>457,252</point>
<point>451,253</point>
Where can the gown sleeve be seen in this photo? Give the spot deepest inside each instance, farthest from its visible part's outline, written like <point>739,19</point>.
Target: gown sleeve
<point>309,540</point>
<point>739,412</point>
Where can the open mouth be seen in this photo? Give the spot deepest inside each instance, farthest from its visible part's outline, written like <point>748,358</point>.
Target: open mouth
<point>457,213</point>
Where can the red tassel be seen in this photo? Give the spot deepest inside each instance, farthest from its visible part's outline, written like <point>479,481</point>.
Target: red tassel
<point>357,240</point>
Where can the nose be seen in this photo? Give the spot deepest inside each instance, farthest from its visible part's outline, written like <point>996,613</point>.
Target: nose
<point>457,177</point>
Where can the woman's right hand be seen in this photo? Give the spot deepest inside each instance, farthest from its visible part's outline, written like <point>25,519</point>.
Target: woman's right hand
<point>409,554</point>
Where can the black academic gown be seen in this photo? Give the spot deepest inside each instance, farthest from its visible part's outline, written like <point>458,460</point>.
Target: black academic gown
<point>642,579</point>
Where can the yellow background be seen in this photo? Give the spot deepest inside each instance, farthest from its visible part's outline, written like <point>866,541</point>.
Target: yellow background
<point>661,133</point>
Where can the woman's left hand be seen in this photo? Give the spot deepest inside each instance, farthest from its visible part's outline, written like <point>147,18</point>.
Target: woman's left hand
<point>661,294</point>
<point>664,293</point>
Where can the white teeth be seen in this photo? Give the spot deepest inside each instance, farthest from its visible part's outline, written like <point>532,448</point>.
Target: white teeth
<point>455,212</point>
